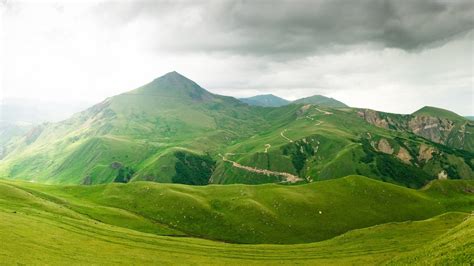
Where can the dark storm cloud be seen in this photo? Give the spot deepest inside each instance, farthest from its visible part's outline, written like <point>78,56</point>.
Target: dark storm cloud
<point>299,27</point>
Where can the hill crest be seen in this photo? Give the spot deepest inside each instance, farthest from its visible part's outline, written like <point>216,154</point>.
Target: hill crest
<point>437,112</point>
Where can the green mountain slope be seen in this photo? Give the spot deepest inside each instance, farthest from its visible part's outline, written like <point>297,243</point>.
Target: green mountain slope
<point>438,112</point>
<point>435,124</point>
<point>267,100</point>
<point>134,130</point>
<point>323,143</point>
<point>321,101</point>
<point>94,219</point>
<point>173,131</point>
<point>456,247</point>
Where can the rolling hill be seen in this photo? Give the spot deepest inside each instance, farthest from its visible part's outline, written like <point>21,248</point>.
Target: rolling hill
<point>270,100</point>
<point>146,222</point>
<point>321,101</point>
<point>267,100</point>
<point>173,131</point>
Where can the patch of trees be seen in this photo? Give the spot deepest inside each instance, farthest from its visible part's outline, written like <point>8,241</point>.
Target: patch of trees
<point>392,169</point>
<point>368,151</point>
<point>299,152</point>
<point>124,175</point>
<point>193,169</point>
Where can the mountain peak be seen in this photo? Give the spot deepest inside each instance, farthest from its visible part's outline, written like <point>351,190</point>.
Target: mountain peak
<point>173,75</point>
<point>320,100</point>
<point>174,85</point>
<point>266,100</point>
<point>437,112</point>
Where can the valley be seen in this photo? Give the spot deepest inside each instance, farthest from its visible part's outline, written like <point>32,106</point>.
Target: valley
<point>320,132</point>
<point>171,171</point>
<point>168,129</point>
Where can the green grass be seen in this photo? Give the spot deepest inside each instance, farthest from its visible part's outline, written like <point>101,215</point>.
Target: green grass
<point>256,214</point>
<point>141,130</point>
<point>45,226</point>
<point>438,112</point>
<point>455,247</point>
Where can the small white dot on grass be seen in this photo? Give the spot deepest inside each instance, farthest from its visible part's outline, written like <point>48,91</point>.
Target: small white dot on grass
<point>320,212</point>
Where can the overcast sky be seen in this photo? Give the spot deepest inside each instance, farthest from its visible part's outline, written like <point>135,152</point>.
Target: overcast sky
<point>394,56</point>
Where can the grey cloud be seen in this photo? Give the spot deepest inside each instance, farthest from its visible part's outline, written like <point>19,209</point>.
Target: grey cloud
<point>301,27</point>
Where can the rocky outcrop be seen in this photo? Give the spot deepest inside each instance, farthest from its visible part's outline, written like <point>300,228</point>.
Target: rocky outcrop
<point>425,153</point>
<point>384,146</point>
<point>404,155</point>
<point>432,128</point>
<point>373,117</point>
<point>442,175</point>
<point>454,133</point>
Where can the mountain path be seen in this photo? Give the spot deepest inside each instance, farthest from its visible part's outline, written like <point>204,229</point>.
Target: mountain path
<point>267,146</point>
<point>290,178</point>
<point>322,111</point>
<point>285,137</point>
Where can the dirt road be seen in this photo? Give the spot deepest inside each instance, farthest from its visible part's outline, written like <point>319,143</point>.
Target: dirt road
<point>288,177</point>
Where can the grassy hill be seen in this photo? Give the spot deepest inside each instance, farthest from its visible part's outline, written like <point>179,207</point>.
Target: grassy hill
<point>270,100</point>
<point>455,247</point>
<point>319,144</point>
<point>122,223</point>
<point>173,131</point>
<point>267,100</point>
<point>247,214</point>
<point>321,101</point>
<point>437,112</point>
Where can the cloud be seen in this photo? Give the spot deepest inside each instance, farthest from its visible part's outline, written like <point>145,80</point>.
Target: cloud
<point>389,55</point>
<point>297,28</point>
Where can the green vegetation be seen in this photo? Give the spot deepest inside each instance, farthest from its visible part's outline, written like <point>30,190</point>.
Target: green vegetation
<point>193,169</point>
<point>122,223</point>
<point>438,112</point>
<point>267,100</point>
<point>321,101</point>
<point>173,131</point>
<point>260,214</point>
<point>456,247</point>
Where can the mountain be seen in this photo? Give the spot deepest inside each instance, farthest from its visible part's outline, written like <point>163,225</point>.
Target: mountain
<point>430,111</point>
<point>435,124</point>
<point>267,100</point>
<point>171,130</point>
<point>139,133</point>
<point>321,100</point>
<point>469,118</point>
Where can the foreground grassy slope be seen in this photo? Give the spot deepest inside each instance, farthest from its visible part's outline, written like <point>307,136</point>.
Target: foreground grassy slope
<point>254,214</point>
<point>44,232</point>
<point>456,247</point>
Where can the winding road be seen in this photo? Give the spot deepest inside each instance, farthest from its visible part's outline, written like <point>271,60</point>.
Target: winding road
<point>288,177</point>
<point>322,111</point>
<point>285,137</point>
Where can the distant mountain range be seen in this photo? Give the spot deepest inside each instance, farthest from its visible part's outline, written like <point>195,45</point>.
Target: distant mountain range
<point>266,100</point>
<point>172,130</point>
<point>270,100</point>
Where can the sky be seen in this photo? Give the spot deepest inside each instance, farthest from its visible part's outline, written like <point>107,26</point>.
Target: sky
<point>394,56</point>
